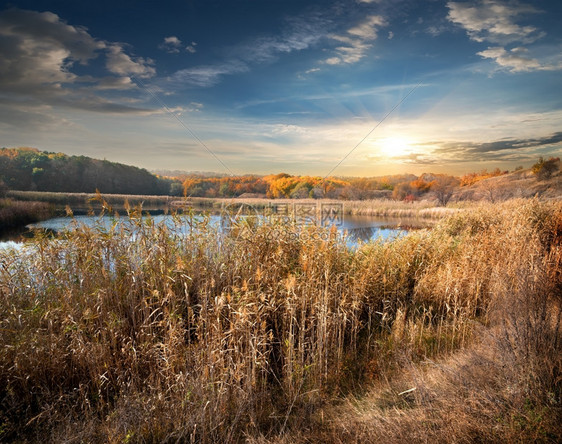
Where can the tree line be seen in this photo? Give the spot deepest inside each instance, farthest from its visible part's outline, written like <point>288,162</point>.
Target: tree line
<point>28,169</point>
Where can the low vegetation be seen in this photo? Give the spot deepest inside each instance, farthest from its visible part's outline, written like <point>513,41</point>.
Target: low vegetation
<point>16,214</point>
<point>544,169</point>
<point>92,200</point>
<point>276,333</point>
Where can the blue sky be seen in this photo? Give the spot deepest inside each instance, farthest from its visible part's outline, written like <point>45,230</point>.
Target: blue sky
<point>281,85</point>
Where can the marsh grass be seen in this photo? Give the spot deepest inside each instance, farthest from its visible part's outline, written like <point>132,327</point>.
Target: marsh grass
<point>90,199</point>
<point>374,207</point>
<point>139,333</point>
<point>15,214</point>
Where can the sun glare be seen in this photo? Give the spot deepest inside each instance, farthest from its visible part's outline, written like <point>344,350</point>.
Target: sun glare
<point>394,146</point>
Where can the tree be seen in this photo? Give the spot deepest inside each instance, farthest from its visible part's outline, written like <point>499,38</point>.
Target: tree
<point>496,192</point>
<point>544,169</point>
<point>444,187</point>
<point>402,190</point>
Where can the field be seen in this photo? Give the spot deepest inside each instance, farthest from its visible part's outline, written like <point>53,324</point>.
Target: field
<point>277,334</point>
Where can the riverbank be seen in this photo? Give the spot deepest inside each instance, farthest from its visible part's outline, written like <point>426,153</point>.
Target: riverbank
<point>92,200</point>
<point>424,209</point>
<point>17,214</point>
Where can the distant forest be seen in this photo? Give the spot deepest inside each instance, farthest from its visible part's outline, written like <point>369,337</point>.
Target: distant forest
<point>28,169</point>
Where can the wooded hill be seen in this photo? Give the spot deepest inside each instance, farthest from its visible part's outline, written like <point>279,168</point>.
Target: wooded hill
<point>28,169</point>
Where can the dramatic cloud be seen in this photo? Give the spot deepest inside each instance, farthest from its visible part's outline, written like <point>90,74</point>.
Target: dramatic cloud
<point>37,50</point>
<point>38,54</point>
<point>120,63</point>
<point>356,41</point>
<point>498,150</point>
<point>494,21</point>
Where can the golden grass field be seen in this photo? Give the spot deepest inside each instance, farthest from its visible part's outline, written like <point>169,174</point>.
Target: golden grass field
<point>139,334</point>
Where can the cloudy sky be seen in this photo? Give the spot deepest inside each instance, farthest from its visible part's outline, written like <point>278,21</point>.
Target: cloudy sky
<point>260,86</point>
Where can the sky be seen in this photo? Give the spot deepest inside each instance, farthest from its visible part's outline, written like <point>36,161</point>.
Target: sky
<point>339,87</point>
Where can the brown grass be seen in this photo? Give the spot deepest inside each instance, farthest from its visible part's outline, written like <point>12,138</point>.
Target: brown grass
<point>271,334</point>
<point>375,207</point>
<point>90,199</point>
<point>14,214</point>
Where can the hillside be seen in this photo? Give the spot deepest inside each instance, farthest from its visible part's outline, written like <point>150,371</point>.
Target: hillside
<point>28,169</point>
<point>522,183</point>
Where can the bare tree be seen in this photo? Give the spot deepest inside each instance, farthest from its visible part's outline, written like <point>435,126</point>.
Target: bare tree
<point>443,187</point>
<point>496,193</point>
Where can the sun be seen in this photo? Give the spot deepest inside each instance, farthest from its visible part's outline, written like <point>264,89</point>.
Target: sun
<point>395,146</point>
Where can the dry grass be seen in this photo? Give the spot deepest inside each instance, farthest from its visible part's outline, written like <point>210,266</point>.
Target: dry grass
<point>90,199</point>
<point>375,207</point>
<point>141,334</point>
<point>14,214</point>
<point>391,208</point>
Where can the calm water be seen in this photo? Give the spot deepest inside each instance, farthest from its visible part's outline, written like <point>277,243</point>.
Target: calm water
<point>356,228</point>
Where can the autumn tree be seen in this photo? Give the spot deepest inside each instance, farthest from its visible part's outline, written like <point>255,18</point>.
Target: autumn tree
<point>544,169</point>
<point>443,187</point>
<point>403,191</point>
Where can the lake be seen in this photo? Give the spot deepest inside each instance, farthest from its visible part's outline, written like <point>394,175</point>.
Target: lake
<point>357,229</point>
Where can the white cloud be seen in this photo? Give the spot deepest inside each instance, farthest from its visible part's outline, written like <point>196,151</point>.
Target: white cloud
<point>494,21</point>
<point>356,41</point>
<point>194,107</point>
<point>172,40</point>
<point>516,60</point>
<point>301,33</point>
<point>118,62</point>
<point>205,76</point>
<point>367,30</point>
<point>390,35</point>
<point>171,44</point>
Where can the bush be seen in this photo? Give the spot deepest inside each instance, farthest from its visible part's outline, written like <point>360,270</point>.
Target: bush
<point>544,169</point>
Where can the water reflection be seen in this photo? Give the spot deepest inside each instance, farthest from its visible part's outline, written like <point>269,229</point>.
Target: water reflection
<point>357,229</point>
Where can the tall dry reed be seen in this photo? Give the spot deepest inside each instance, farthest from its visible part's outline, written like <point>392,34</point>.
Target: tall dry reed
<point>154,333</point>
